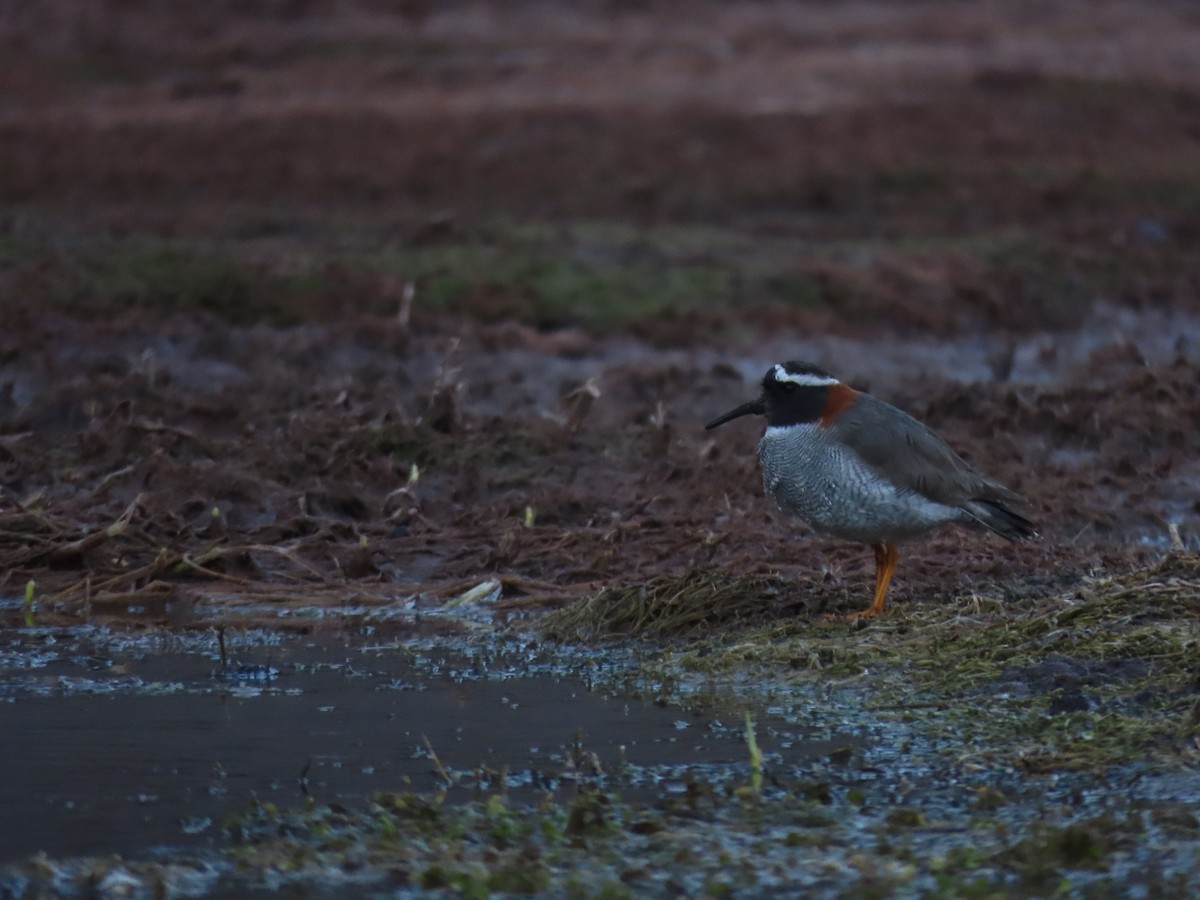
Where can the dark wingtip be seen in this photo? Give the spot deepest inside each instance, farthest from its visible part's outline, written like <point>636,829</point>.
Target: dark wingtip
<point>1002,520</point>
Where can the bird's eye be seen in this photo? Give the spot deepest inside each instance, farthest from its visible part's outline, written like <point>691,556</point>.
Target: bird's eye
<point>789,387</point>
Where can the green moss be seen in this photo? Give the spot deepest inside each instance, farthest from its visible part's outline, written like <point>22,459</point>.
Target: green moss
<point>97,276</point>
<point>596,276</point>
<point>972,887</point>
<point>520,877</point>
<point>905,817</point>
<point>1044,859</point>
<point>553,279</point>
<point>590,815</point>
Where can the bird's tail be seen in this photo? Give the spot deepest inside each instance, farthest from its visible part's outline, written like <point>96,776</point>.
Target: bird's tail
<point>1000,519</point>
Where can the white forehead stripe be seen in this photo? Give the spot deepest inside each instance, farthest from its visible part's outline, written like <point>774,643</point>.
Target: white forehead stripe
<point>804,379</point>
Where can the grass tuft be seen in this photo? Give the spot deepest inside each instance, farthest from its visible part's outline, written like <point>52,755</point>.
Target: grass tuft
<point>689,605</point>
<point>1084,678</point>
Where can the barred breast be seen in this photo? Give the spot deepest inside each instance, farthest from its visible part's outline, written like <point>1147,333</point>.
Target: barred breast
<point>816,479</point>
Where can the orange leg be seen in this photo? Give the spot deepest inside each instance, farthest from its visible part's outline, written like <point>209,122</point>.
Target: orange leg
<point>885,564</point>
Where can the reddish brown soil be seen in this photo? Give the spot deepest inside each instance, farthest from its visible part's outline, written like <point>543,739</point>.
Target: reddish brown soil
<point>865,145</point>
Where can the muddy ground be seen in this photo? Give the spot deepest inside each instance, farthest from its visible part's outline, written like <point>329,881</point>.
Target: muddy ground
<point>360,306</point>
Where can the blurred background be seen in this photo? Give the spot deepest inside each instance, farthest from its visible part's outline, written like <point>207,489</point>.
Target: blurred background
<point>930,166</point>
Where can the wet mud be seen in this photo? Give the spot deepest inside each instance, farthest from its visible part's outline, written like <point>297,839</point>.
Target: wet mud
<point>380,342</point>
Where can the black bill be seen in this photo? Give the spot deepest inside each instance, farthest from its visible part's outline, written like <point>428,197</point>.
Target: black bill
<point>753,408</point>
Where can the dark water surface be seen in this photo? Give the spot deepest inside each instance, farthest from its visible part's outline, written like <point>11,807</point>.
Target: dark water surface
<point>113,744</point>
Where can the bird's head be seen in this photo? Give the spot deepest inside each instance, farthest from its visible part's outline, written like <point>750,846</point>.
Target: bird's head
<point>792,393</point>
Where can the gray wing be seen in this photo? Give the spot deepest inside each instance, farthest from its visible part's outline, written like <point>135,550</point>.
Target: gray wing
<point>909,454</point>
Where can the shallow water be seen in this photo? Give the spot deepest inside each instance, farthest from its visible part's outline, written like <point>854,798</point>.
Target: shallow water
<point>116,744</point>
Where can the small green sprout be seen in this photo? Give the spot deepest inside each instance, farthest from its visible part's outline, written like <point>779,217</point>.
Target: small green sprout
<point>530,516</point>
<point>30,606</point>
<point>756,757</point>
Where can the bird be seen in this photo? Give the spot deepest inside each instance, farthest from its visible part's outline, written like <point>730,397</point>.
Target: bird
<point>855,467</point>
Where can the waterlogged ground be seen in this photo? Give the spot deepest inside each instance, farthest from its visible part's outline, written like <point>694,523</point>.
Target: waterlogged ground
<point>1028,747</point>
<point>333,720</point>
<point>377,345</point>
